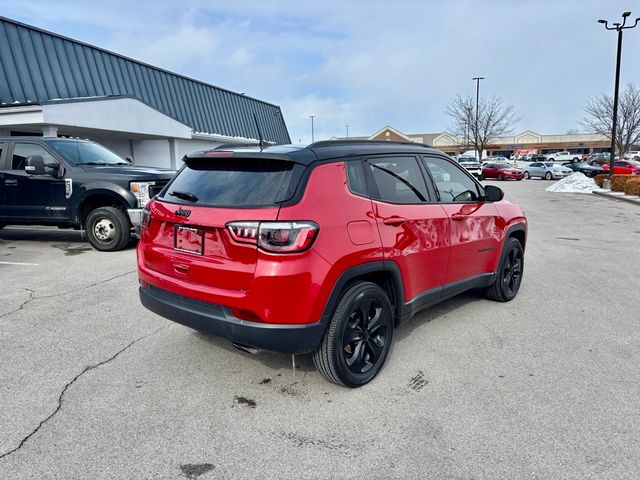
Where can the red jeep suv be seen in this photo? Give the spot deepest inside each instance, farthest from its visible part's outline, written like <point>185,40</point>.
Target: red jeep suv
<point>324,248</point>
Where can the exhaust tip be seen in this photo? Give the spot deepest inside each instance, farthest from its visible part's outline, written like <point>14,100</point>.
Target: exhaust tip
<point>246,348</point>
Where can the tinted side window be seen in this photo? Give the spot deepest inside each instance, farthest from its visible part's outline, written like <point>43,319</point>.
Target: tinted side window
<point>22,151</point>
<point>398,180</point>
<point>357,180</point>
<point>453,184</point>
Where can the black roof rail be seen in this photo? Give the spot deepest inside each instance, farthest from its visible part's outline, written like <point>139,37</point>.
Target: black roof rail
<point>331,143</point>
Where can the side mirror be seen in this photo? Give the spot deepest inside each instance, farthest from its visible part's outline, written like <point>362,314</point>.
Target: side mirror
<point>35,165</point>
<point>493,193</point>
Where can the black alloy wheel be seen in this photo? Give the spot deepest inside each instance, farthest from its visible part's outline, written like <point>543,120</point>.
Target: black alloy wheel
<point>508,277</point>
<point>512,271</point>
<point>359,337</point>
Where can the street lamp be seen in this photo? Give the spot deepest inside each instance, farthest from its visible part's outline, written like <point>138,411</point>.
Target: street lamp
<point>477,79</point>
<point>619,27</point>
<point>347,131</point>
<point>312,134</point>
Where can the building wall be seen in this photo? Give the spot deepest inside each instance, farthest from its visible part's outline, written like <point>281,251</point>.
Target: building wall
<point>152,153</point>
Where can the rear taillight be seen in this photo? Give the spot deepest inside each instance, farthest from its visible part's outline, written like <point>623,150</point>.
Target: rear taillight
<point>276,237</point>
<point>146,218</point>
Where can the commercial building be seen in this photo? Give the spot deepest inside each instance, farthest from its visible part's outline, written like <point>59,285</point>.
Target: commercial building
<point>523,143</point>
<point>52,85</point>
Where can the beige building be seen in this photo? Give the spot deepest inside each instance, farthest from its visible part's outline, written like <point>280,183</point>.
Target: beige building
<point>523,143</point>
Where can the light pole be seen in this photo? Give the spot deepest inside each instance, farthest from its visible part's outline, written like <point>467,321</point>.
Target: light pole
<point>477,79</point>
<point>347,131</point>
<point>312,134</point>
<point>619,27</point>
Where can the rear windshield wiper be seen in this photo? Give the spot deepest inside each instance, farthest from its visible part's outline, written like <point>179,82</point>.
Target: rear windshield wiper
<point>190,197</point>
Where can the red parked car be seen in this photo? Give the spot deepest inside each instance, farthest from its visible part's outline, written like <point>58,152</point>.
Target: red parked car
<point>324,248</point>
<point>623,167</point>
<point>502,171</point>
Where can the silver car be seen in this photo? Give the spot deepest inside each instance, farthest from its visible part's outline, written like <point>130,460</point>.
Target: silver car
<point>546,170</point>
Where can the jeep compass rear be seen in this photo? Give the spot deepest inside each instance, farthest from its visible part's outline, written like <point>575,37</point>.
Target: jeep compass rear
<point>323,249</point>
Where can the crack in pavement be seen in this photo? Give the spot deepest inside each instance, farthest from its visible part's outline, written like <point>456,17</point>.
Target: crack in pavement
<point>32,293</point>
<point>66,387</point>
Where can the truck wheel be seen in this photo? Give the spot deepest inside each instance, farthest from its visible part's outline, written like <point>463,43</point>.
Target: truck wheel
<point>358,338</point>
<point>509,274</point>
<point>108,229</point>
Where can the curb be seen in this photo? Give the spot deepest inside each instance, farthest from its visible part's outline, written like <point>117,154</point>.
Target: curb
<point>613,196</point>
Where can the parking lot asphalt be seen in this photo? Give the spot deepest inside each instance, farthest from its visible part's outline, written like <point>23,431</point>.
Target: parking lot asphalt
<point>93,386</point>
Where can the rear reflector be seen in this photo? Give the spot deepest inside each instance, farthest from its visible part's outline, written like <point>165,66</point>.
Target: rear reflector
<point>276,237</point>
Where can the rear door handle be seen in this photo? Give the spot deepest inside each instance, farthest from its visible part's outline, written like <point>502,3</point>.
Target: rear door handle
<point>458,217</point>
<point>394,221</point>
<point>11,182</point>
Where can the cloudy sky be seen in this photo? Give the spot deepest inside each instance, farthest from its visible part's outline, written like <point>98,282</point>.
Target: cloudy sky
<point>367,63</point>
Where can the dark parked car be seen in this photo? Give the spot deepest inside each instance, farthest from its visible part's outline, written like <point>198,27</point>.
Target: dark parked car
<point>538,157</point>
<point>324,248</point>
<point>73,183</point>
<point>585,168</point>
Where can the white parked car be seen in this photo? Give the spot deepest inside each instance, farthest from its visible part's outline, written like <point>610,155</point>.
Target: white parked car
<point>472,165</point>
<point>564,157</point>
<point>633,155</point>
<point>546,170</point>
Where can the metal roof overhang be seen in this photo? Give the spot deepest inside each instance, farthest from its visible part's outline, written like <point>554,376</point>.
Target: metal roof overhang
<point>123,115</point>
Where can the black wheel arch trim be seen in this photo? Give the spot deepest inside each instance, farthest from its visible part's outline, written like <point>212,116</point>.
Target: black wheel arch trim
<point>352,273</point>
<point>518,227</point>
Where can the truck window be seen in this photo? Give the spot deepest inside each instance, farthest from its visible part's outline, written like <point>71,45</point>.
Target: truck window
<point>22,151</point>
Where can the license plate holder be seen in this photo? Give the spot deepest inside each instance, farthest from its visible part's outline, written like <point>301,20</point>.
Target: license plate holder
<point>188,239</point>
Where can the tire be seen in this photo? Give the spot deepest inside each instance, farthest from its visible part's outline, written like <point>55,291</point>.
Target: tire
<point>508,279</point>
<point>548,176</point>
<point>108,229</point>
<point>576,160</point>
<point>350,364</point>
<point>480,178</point>
<point>500,177</point>
<point>527,175</point>
<point>594,164</point>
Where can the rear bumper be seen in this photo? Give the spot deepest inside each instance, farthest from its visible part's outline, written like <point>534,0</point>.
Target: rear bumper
<point>219,321</point>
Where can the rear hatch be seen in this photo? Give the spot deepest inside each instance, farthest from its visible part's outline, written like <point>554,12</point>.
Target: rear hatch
<point>186,237</point>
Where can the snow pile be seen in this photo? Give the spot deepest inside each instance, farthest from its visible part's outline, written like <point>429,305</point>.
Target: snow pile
<point>575,183</point>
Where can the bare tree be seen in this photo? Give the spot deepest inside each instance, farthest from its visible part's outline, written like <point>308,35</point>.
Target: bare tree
<point>494,119</point>
<point>598,117</point>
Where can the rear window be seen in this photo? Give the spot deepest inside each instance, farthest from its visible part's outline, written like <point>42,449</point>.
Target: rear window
<point>234,182</point>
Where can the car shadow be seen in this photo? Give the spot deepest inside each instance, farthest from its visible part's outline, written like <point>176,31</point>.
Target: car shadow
<point>42,234</point>
<point>62,238</point>
<point>435,312</point>
<point>271,360</point>
<point>304,362</point>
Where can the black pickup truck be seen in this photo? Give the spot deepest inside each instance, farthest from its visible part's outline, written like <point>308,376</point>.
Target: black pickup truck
<point>72,183</point>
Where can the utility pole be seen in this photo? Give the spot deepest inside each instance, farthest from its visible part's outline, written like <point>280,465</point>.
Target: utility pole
<point>347,131</point>
<point>477,80</point>
<point>619,27</point>
<point>313,139</point>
